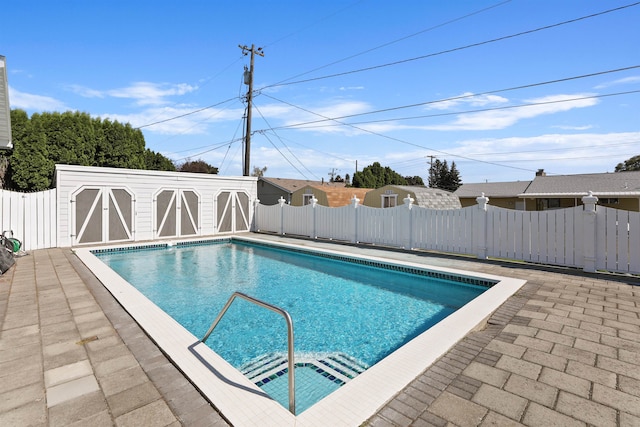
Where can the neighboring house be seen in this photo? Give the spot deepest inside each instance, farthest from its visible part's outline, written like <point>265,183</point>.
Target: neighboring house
<point>271,189</point>
<point>394,195</point>
<point>327,195</point>
<point>501,194</point>
<point>619,190</point>
<point>5,109</point>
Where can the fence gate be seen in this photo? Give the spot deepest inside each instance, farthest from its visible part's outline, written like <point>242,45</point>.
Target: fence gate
<point>101,215</point>
<point>177,213</point>
<point>233,211</point>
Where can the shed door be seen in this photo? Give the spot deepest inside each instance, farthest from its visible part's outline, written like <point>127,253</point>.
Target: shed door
<point>233,211</point>
<point>102,214</point>
<point>177,213</point>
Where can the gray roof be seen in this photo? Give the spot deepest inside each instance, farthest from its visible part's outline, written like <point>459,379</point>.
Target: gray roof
<point>291,185</point>
<point>493,189</point>
<point>601,184</point>
<point>618,183</point>
<point>432,198</point>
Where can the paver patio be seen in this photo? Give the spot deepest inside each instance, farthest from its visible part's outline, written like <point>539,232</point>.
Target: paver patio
<point>563,351</point>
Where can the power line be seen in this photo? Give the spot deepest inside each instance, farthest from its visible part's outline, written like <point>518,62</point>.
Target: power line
<point>403,141</point>
<point>406,60</point>
<point>338,123</point>
<point>456,98</point>
<point>555,149</point>
<point>211,149</point>
<point>313,24</point>
<point>452,113</point>
<point>451,21</point>
<point>311,148</point>
<point>230,143</point>
<point>186,114</point>
<point>374,67</point>
<point>553,159</point>
<point>432,149</point>
<point>285,145</point>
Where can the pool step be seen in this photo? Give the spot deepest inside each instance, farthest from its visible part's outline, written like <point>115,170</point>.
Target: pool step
<point>338,367</point>
<point>344,364</point>
<point>263,365</point>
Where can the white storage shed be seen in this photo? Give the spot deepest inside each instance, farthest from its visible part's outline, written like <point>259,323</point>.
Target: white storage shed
<point>106,205</point>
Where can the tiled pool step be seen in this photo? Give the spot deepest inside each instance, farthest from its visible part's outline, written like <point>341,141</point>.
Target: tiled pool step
<point>337,367</point>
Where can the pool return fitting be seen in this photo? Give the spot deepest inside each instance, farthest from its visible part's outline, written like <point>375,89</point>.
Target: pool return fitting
<point>287,318</point>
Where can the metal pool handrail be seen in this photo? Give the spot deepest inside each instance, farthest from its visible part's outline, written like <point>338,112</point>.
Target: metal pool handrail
<point>292,383</point>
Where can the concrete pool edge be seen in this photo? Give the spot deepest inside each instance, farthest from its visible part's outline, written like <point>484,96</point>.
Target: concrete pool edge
<point>242,403</point>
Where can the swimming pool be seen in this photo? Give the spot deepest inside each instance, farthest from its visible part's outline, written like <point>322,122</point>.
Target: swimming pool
<point>243,403</point>
<point>347,316</point>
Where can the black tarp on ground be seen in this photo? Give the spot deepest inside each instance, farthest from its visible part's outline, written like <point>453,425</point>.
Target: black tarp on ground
<point>6,260</point>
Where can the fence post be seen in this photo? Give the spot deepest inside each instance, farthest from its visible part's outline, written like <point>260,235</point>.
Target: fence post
<point>281,202</point>
<point>313,203</point>
<point>589,232</point>
<point>480,227</point>
<point>354,203</point>
<point>407,243</point>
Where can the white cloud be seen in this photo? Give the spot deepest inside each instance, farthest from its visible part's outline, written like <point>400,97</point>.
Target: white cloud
<point>467,99</point>
<point>623,81</point>
<point>27,101</point>
<point>144,93</point>
<point>86,92</point>
<point>567,127</point>
<point>592,146</point>
<point>501,119</point>
<point>189,124</point>
<point>317,122</point>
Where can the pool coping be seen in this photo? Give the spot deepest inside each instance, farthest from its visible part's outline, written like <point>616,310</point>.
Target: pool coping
<point>244,404</point>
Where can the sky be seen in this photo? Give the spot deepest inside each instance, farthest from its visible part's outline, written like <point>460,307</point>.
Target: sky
<point>501,88</point>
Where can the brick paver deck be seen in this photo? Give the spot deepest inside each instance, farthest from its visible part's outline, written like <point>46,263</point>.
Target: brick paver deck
<point>564,351</point>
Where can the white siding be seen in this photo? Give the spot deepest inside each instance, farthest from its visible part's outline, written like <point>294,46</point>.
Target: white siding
<point>144,185</point>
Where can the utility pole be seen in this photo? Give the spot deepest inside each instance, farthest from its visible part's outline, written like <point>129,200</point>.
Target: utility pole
<point>248,80</point>
<point>332,174</point>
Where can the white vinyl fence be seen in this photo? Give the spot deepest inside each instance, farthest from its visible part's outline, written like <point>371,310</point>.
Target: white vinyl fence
<point>584,236</point>
<point>31,216</point>
<point>589,237</point>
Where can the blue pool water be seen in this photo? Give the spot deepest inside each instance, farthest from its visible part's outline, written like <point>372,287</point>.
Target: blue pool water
<point>346,316</point>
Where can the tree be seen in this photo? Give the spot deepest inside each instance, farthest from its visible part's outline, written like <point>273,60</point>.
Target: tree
<point>19,124</point>
<point>30,163</point>
<point>440,176</point>
<point>347,180</point>
<point>376,176</point>
<point>70,137</point>
<point>632,164</point>
<point>158,162</point>
<point>73,138</point>
<point>197,166</point>
<point>119,146</point>
<point>454,180</point>
<point>414,180</point>
<point>258,171</point>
